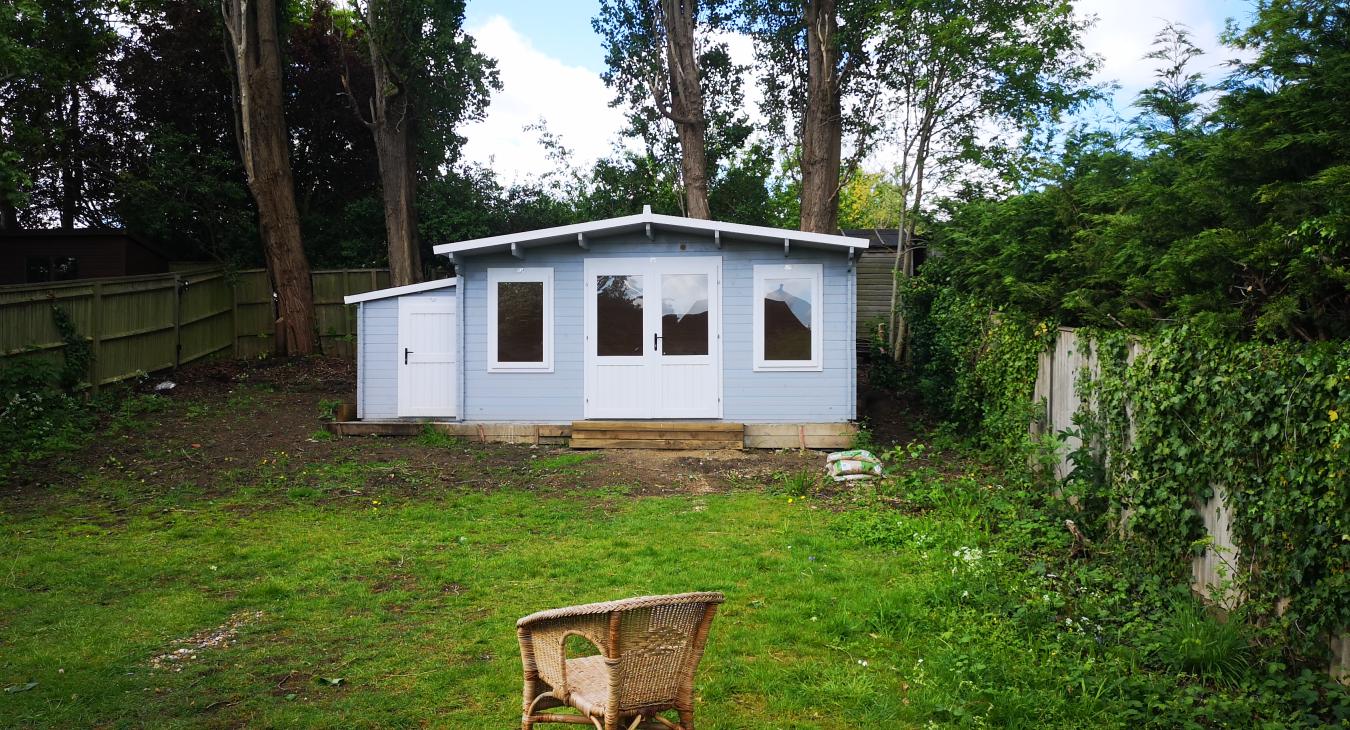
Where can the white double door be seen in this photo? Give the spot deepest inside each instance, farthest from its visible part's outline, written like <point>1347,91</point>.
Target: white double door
<point>653,337</point>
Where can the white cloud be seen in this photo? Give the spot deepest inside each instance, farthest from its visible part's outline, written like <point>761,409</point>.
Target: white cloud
<point>572,101</point>
<point>1124,33</point>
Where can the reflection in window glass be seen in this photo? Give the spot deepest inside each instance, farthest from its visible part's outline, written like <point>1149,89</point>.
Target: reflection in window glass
<point>65,268</point>
<point>618,316</point>
<point>684,314</point>
<point>520,321</point>
<point>787,319</point>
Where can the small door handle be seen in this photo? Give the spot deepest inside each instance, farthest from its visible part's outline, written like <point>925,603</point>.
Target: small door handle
<point>656,342</point>
<point>405,355</point>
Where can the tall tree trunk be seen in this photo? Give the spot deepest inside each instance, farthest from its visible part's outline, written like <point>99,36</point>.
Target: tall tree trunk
<point>686,102</point>
<point>908,225</point>
<point>392,119</point>
<point>255,52</point>
<point>822,130</point>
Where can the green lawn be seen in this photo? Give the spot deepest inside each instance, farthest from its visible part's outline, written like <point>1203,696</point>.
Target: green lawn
<point>412,602</point>
<point>400,567</point>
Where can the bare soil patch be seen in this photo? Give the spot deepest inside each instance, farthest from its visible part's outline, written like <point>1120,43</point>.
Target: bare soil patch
<point>228,424</point>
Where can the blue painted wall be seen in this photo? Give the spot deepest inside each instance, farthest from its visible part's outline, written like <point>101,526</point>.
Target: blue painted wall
<point>748,396</point>
<point>377,355</point>
<point>557,397</point>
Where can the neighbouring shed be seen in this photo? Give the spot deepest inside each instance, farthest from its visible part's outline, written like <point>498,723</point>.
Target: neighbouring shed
<point>876,267</point>
<point>36,256</point>
<point>642,317</point>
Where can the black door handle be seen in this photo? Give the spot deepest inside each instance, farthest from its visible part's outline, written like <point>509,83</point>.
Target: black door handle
<point>656,342</point>
<point>405,355</point>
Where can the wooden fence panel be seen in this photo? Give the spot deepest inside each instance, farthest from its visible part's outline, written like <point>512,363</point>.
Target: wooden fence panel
<point>206,316</point>
<point>27,330</point>
<point>137,328</point>
<point>254,314</point>
<point>140,324</point>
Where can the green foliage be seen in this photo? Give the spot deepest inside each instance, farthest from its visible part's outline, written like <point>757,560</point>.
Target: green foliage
<point>1193,640</point>
<point>975,365</point>
<point>435,438</point>
<point>1237,218</point>
<point>1264,422</point>
<point>37,418</point>
<point>77,354</point>
<point>328,408</point>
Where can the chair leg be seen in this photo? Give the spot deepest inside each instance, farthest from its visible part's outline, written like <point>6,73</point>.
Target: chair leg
<point>687,719</point>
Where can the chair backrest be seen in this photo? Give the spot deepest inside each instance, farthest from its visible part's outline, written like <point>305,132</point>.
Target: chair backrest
<point>658,642</point>
<point>653,643</point>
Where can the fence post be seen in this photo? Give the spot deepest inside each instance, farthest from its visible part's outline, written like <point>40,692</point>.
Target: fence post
<point>234,316</point>
<point>95,334</point>
<point>177,319</point>
<point>346,312</point>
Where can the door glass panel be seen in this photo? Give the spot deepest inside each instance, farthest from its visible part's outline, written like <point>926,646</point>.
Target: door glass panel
<point>684,314</point>
<point>618,316</point>
<point>787,319</point>
<point>520,321</point>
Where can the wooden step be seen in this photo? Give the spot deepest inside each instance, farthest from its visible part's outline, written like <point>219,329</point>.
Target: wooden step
<point>657,435</point>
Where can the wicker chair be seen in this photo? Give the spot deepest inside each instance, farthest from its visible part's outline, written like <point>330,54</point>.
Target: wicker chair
<point>649,649</point>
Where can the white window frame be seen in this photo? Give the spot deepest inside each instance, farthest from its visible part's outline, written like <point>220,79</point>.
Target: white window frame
<point>809,272</point>
<point>540,274</point>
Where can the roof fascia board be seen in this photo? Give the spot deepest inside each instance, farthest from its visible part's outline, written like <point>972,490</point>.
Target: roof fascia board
<point>646,222</point>
<point>398,291</point>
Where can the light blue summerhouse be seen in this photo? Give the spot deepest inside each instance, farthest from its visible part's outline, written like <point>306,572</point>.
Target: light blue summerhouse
<point>640,317</point>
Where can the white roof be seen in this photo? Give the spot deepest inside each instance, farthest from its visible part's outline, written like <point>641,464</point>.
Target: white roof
<point>398,291</point>
<point>641,222</point>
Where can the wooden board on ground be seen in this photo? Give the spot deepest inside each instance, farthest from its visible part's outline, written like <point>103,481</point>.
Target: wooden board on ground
<point>506,433</point>
<point>625,434</point>
<point>799,435</point>
<point>657,435</point>
<point>627,443</point>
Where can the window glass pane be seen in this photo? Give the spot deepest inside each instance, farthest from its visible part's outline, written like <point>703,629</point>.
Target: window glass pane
<point>684,314</point>
<point>520,321</point>
<point>39,269</point>
<point>787,319</point>
<point>618,315</point>
<point>64,268</point>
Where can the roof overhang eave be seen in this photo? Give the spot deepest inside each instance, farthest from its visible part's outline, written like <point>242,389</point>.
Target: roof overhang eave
<point>612,226</point>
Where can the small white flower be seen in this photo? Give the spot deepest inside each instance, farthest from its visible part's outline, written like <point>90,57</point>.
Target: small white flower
<point>862,662</point>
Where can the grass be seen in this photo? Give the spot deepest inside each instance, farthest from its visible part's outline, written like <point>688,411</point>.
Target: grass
<point>364,590</point>
<point>411,601</point>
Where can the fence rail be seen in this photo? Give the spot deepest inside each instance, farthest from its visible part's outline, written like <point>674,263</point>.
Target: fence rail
<point>140,324</point>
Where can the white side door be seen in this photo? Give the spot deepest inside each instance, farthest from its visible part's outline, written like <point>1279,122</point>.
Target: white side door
<point>427,385</point>
<point>653,337</point>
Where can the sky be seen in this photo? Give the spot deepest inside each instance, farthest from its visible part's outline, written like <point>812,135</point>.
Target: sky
<point>550,60</point>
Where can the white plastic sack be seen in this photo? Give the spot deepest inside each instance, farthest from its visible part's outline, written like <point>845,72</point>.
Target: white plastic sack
<point>851,465</point>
